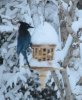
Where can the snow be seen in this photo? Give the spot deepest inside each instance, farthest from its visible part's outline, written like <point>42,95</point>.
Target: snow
<point>3,51</point>
<point>76,25</point>
<point>64,5</point>
<point>45,34</point>
<point>70,5</point>
<point>14,77</point>
<point>67,46</point>
<point>51,14</point>
<point>2,96</point>
<point>52,63</point>
<point>12,45</point>
<point>74,76</point>
<point>25,70</point>
<point>60,55</point>
<point>5,28</point>
<point>79,13</point>
<point>81,51</point>
<point>21,61</point>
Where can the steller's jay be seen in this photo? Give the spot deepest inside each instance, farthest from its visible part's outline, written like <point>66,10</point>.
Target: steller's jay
<point>24,39</point>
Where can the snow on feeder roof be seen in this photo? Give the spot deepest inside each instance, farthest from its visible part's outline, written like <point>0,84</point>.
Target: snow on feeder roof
<point>45,34</point>
<point>44,41</point>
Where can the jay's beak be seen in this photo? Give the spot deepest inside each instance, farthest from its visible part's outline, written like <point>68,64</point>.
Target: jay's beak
<point>31,27</point>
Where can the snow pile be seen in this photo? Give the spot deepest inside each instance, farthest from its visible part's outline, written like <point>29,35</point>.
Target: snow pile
<point>74,74</point>
<point>51,14</point>
<point>45,34</point>
<point>76,25</point>
<point>79,13</point>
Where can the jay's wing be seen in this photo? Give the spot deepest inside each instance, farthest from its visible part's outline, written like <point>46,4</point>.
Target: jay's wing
<point>23,43</point>
<point>19,45</point>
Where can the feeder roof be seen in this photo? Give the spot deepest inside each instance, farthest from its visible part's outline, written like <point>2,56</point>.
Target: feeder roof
<point>45,34</point>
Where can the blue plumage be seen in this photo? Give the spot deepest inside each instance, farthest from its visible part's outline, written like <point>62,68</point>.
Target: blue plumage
<point>24,40</point>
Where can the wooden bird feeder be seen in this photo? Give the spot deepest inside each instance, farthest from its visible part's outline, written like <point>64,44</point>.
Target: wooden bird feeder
<point>44,41</point>
<point>43,52</point>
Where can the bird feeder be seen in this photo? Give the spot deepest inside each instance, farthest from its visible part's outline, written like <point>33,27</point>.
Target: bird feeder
<point>44,42</point>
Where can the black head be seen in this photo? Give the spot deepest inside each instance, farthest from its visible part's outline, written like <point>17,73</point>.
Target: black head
<point>25,25</point>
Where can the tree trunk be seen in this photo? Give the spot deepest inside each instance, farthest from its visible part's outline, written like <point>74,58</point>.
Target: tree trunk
<point>68,22</point>
<point>67,86</point>
<point>59,85</point>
